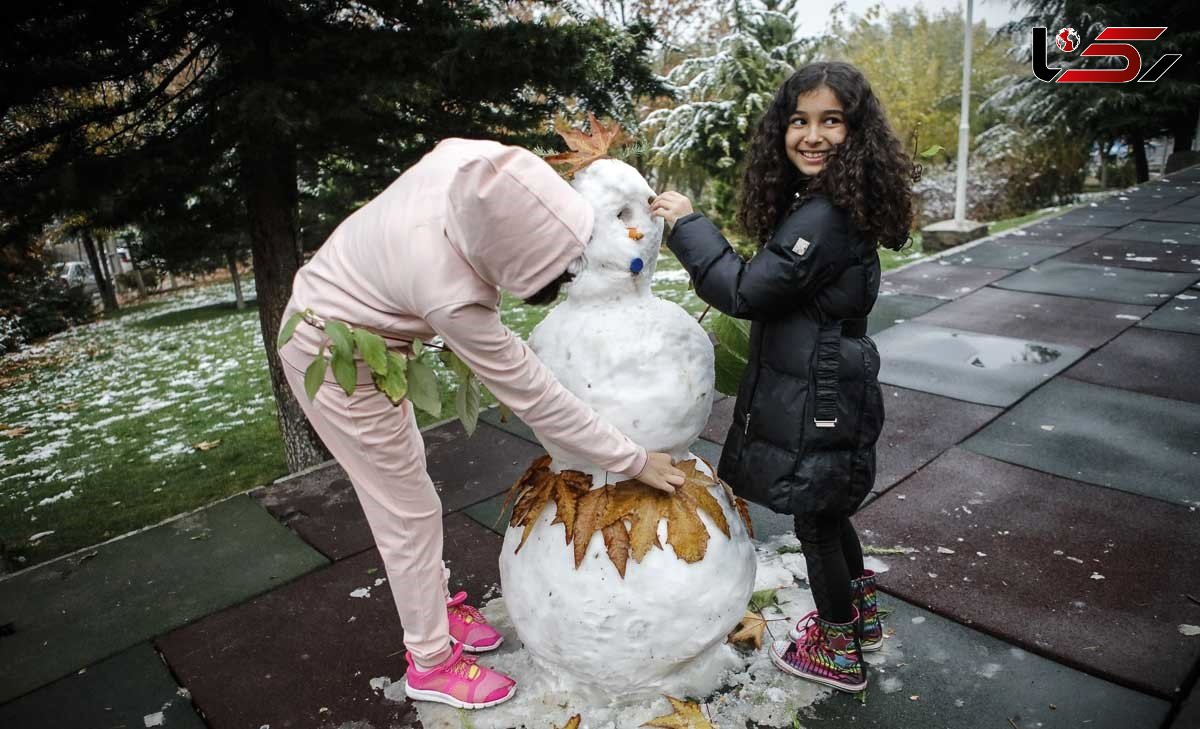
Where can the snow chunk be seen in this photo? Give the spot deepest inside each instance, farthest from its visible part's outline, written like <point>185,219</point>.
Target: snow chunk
<point>39,536</point>
<point>1189,630</point>
<point>155,719</point>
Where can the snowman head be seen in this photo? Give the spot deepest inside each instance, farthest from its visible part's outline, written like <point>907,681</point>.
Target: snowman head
<point>621,255</point>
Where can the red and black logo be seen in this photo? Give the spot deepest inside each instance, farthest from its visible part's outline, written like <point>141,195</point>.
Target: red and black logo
<point>1068,41</point>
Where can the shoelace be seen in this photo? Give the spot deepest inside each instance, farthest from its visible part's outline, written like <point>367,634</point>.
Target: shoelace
<point>471,612</point>
<point>463,667</point>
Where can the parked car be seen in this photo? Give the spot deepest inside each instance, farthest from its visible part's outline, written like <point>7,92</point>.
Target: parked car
<point>76,274</point>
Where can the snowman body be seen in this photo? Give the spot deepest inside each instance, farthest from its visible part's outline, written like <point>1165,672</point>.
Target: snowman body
<point>646,366</point>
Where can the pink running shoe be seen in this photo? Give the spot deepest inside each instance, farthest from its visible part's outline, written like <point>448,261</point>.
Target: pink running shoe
<point>459,682</point>
<point>469,628</point>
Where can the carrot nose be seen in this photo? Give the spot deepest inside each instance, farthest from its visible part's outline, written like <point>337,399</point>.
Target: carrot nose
<point>635,234</point>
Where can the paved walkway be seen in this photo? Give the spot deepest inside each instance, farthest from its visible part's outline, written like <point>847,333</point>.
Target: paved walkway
<point>1039,466</point>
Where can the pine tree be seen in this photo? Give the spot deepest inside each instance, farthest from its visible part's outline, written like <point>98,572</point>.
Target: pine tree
<point>285,92</point>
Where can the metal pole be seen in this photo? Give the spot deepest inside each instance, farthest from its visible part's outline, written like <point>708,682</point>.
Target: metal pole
<point>964,124</point>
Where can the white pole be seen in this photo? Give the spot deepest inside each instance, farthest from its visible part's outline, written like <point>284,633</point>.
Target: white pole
<point>964,124</point>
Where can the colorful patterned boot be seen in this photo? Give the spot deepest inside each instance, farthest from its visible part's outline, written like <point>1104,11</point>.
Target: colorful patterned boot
<point>827,653</point>
<point>862,592</point>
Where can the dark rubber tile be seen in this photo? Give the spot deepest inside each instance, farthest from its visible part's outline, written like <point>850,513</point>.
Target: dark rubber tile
<point>997,254</point>
<point>131,689</point>
<point>939,280</point>
<point>1189,714</point>
<point>1147,361</point>
<point>1098,217</point>
<point>917,428</point>
<point>1137,254</point>
<point>890,310</point>
<point>511,424</point>
<point>305,655</point>
<point>1079,322</point>
<point>720,421</point>
<point>1185,213</point>
<point>1124,440</point>
<point>1180,314</point>
<point>1159,232</point>
<point>1087,576</point>
<point>978,368</point>
<point>76,611</point>
<point>1053,234</point>
<point>322,508</point>
<point>1106,283</point>
<point>466,470</point>
<point>937,674</point>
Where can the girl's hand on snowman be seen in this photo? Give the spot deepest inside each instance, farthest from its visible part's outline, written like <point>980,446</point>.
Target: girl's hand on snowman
<point>659,473</point>
<point>671,206</point>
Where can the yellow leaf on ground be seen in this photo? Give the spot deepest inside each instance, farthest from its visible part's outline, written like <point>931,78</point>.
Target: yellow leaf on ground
<point>573,722</point>
<point>686,715</point>
<point>749,630</point>
<point>207,445</point>
<point>14,431</point>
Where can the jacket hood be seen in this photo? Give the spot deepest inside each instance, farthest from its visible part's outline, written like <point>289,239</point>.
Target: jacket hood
<point>511,217</point>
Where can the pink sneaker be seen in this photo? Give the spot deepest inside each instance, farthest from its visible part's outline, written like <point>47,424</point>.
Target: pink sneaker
<point>459,682</point>
<point>469,628</point>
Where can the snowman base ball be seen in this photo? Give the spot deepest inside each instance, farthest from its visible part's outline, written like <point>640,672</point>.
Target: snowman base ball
<point>659,629</point>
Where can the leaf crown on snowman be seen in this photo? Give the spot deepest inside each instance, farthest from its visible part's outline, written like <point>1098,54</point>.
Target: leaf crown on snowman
<point>586,147</point>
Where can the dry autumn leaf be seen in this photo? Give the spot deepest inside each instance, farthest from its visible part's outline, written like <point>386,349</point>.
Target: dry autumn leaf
<point>14,432</point>
<point>749,630</point>
<point>207,445</point>
<point>573,722</point>
<point>685,715</point>
<point>585,148</point>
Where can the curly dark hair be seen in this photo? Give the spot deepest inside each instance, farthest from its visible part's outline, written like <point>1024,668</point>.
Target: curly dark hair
<point>870,175</point>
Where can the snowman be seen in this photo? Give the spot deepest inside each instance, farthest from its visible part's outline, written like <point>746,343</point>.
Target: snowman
<point>620,592</point>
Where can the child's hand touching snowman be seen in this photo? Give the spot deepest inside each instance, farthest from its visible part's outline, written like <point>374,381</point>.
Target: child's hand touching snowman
<point>671,206</point>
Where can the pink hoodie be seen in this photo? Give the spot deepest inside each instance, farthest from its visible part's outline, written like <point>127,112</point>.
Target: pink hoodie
<point>429,255</point>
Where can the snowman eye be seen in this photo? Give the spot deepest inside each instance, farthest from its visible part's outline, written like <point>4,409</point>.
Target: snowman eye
<point>626,216</point>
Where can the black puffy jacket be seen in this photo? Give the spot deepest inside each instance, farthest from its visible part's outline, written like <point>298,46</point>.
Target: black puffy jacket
<point>809,408</point>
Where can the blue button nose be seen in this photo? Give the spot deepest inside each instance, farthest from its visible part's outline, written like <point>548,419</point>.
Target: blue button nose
<point>636,266</point>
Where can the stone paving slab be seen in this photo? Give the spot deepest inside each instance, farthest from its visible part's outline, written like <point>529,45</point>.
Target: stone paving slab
<point>719,421</point>
<point>279,659</point>
<point>978,368</point>
<point>964,679</point>
<point>1099,217</point>
<point>1159,232</point>
<point>322,508</point>
<point>1011,256</point>
<point>1091,577</point>
<point>1124,440</point>
<point>74,612</point>
<point>1180,314</point>
<point>1179,213</point>
<point>939,280</point>
<point>890,310</point>
<point>1106,283</point>
<point>466,470</point>
<point>918,426</point>
<point>1052,233</point>
<point>1083,323</point>
<point>131,689</point>
<point>1148,361</point>
<point>1145,255</point>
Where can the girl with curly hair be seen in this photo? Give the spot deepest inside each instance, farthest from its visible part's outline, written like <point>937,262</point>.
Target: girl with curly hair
<point>826,183</point>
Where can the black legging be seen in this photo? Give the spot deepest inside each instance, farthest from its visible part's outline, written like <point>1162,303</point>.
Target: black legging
<point>834,557</point>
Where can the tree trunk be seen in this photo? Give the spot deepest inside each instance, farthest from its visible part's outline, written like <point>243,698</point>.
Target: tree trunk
<point>1104,149</point>
<point>107,295</point>
<point>231,260</point>
<point>141,284</point>
<point>1140,163</point>
<point>268,176</point>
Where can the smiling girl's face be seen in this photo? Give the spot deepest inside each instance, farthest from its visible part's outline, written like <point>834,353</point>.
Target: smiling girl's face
<point>815,128</point>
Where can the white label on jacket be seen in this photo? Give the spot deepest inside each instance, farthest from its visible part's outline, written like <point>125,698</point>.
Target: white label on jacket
<point>800,247</point>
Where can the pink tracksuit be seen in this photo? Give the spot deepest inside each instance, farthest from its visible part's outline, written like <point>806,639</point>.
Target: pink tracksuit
<point>425,258</point>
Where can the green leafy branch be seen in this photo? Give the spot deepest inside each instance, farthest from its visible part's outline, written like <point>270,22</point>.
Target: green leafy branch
<point>397,376</point>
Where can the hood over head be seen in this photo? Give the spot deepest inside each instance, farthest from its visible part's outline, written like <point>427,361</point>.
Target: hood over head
<point>513,219</point>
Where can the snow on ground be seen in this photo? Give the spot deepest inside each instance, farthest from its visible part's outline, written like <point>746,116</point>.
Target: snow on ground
<point>118,375</point>
<point>754,692</point>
